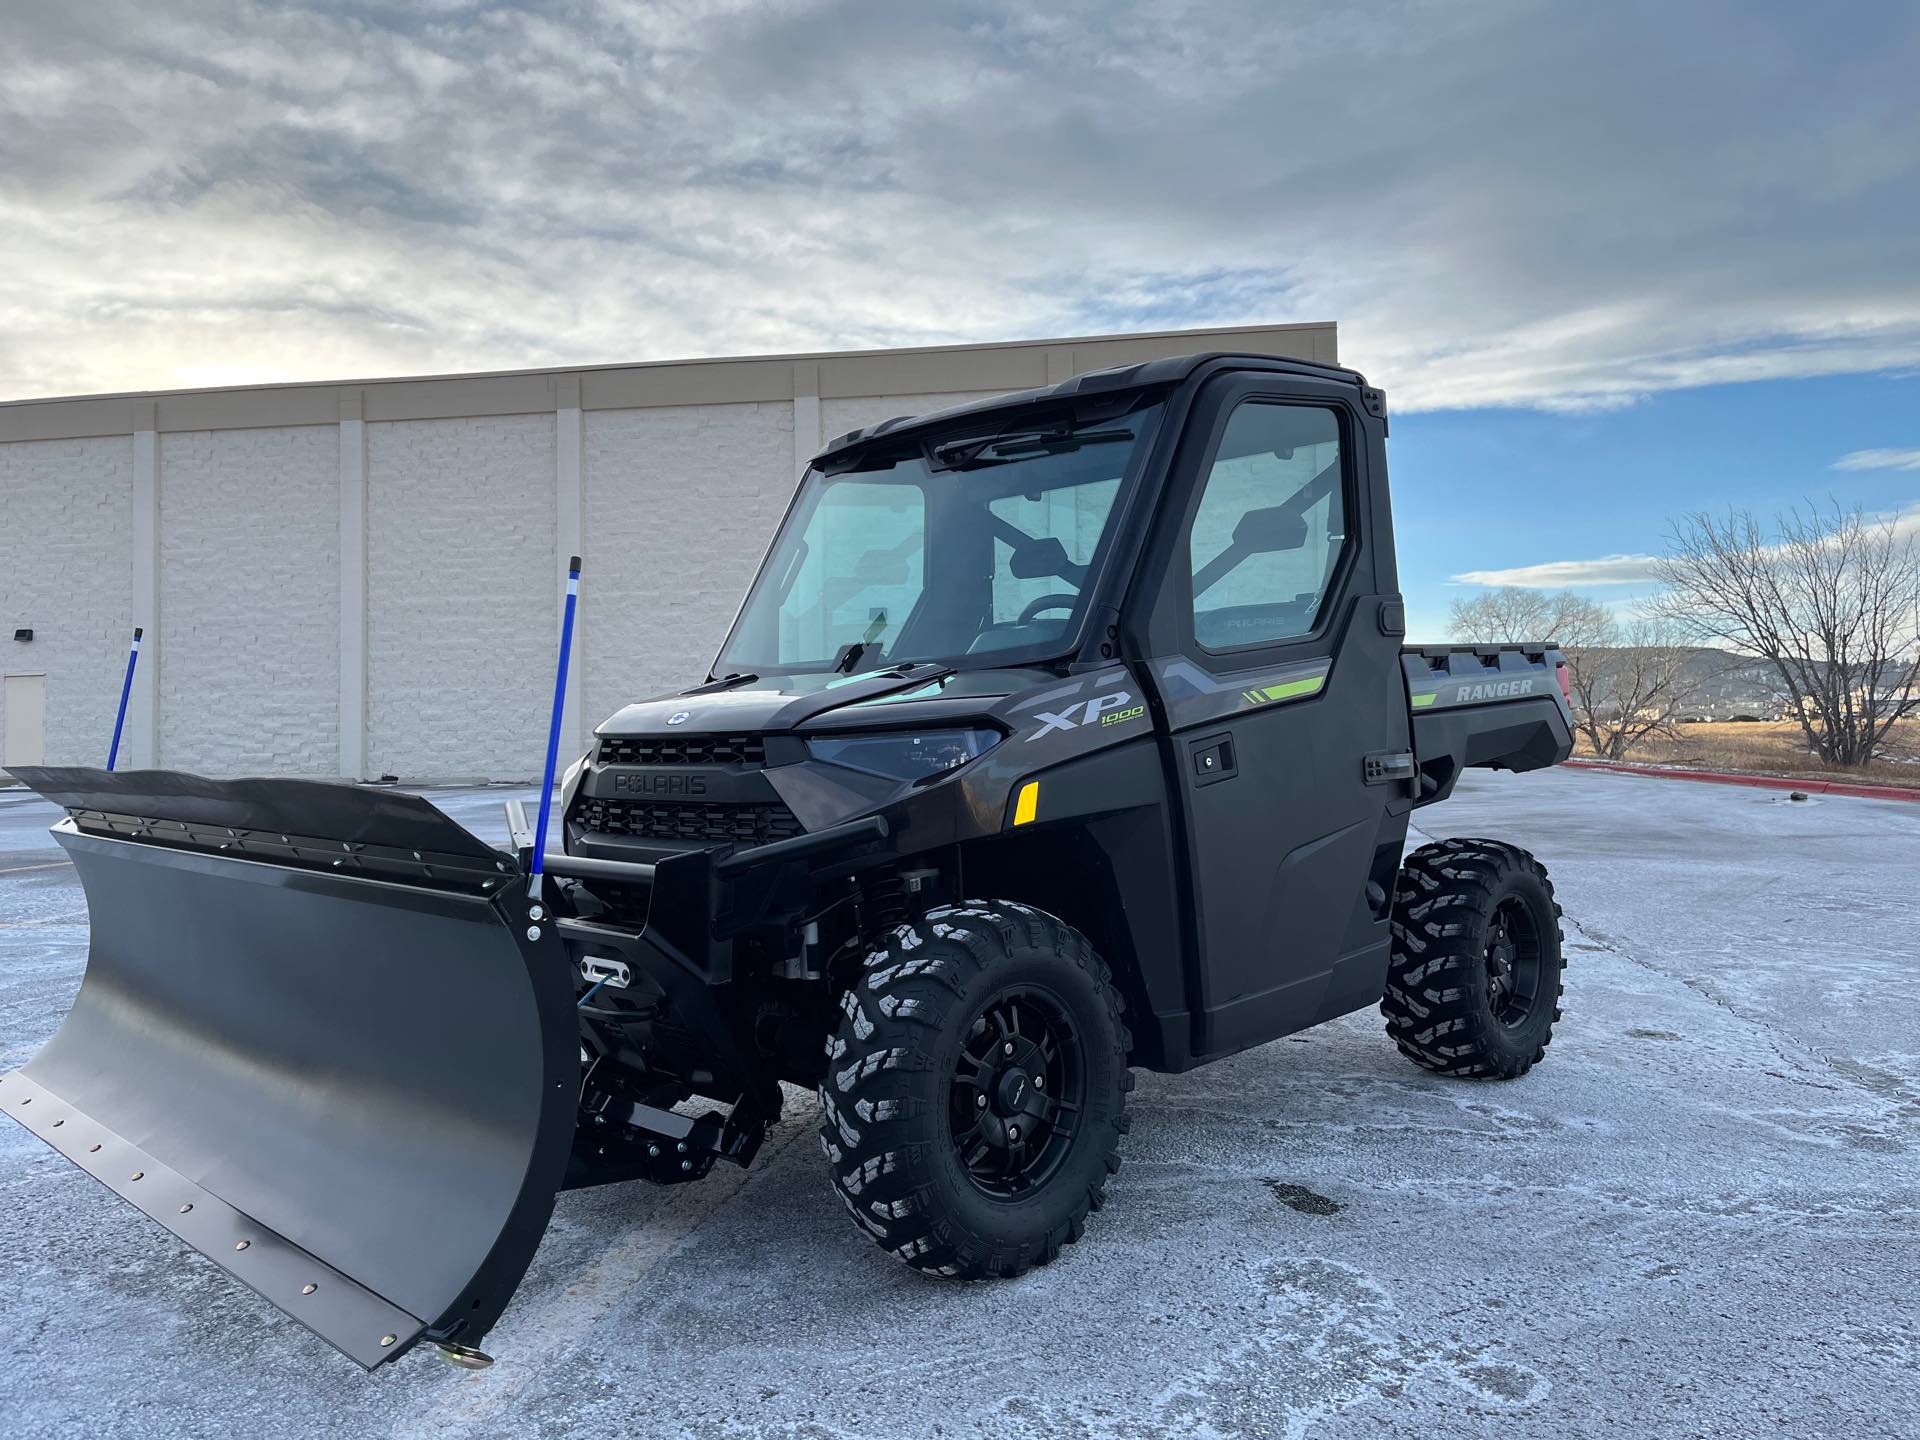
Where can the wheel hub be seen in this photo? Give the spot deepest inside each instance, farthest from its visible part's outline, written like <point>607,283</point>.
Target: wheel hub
<point>1513,958</point>
<point>1013,1090</point>
<point>1018,1086</point>
<point>1500,962</point>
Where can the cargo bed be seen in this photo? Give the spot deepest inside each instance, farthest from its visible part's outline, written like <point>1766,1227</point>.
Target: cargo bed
<point>1496,707</point>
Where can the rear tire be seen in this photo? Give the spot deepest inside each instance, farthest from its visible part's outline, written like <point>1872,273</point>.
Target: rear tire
<point>976,1088</point>
<point>1474,986</point>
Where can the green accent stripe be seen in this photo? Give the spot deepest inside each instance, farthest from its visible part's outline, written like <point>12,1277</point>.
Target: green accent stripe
<point>1295,687</point>
<point>1290,690</point>
<point>1420,702</point>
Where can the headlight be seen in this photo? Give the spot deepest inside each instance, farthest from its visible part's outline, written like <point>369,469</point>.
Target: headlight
<point>905,754</point>
<point>570,781</point>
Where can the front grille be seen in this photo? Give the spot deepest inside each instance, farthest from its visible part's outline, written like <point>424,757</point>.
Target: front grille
<point>750,820</point>
<point>688,820</point>
<point>743,750</point>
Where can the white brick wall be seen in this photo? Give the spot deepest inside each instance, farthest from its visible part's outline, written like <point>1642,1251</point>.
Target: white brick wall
<point>250,601</point>
<point>249,657</point>
<point>66,531</point>
<point>677,504</point>
<point>461,618</point>
<point>680,503</point>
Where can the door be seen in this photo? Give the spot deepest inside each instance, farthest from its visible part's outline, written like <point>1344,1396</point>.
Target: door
<point>1280,677</point>
<point>24,700</point>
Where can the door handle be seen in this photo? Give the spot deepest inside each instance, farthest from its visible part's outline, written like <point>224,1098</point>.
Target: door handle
<point>1212,759</point>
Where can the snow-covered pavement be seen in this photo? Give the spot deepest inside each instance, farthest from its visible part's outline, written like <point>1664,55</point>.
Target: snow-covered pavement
<point>1700,1216</point>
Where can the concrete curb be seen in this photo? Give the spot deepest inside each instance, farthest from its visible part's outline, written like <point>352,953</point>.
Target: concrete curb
<point>1761,782</point>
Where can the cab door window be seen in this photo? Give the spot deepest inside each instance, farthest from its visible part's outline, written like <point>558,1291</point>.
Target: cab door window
<point>1268,532</point>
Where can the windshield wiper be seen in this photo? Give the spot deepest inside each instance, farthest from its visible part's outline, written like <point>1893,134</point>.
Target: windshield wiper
<point>1005,449</point>
<point>849,661</point>
<point>850,657</point>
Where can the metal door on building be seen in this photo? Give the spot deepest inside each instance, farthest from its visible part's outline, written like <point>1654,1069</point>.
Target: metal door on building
<point>23,700</point>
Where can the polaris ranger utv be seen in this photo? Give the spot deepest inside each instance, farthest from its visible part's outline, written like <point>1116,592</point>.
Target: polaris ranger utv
<point>1057,735</point>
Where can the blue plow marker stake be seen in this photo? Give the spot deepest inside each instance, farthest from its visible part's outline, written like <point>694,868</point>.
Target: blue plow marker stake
<point>553,728</point>
<point>126,690</point>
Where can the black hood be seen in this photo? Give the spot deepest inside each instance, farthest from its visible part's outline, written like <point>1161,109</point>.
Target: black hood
<point>822,701</point>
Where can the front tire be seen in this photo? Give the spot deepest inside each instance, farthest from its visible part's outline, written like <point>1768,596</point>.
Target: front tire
<point>1473,988</point>
<point>976,1088</point>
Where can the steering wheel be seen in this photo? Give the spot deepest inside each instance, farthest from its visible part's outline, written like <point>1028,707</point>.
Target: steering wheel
<point>1056,601</point>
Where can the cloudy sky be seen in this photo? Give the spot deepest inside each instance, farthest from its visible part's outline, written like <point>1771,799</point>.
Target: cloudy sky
<point>1556,232</point>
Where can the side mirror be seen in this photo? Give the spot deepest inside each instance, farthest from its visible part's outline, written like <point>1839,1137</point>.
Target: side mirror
<point>1261,532</point>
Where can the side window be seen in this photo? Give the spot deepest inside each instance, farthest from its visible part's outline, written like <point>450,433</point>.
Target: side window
<point>1270,526</point>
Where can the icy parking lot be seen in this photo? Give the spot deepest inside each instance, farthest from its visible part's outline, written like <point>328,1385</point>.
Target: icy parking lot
<point>1701,1215</point>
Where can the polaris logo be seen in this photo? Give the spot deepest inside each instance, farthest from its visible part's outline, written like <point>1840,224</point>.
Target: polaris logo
<point>660,784</point>
<point>1495,690</point>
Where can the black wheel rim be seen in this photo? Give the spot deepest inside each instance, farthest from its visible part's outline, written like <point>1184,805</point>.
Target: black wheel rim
<point>1513,959</point>
<point>1019,1088</point>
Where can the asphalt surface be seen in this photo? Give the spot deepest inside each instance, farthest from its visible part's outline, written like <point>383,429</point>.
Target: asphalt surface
<point>1701,1215</point>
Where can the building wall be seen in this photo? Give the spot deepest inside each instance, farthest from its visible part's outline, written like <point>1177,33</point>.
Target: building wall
<point>66,530</point>
<point>258,513</point>
<point>680,502</point>
<point>364,578</point>
<point>460,561</point>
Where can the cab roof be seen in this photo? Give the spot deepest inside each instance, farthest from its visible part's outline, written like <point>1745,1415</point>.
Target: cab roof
<point>1169,370</point>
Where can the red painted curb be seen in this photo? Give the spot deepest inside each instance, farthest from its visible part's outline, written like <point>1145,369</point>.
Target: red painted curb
<point>1761,782</point>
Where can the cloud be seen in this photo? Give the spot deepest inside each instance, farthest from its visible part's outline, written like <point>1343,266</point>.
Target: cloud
<point>1507,202</point>
<point>1568,574</point>
<point>1639,569</point>
<point>1878,460</point>
<point>1905,524</point>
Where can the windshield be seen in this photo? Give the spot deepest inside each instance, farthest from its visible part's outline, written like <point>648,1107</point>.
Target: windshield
<point>976,547</point>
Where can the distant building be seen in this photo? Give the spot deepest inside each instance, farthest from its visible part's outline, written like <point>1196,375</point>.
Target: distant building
<point>363,578</point>
<point>1863,700</point>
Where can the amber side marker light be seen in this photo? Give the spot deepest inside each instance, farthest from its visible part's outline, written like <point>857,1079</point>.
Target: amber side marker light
<point>1028,803</point>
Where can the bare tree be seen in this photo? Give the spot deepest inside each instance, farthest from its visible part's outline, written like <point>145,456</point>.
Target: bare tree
<point>1627,682</point>
<point>1830,601</point>
<point>1512,615</point>
<point>1635,685</point>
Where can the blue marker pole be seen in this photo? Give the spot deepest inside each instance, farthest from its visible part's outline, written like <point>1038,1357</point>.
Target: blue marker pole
<point>126,690</point>
<point>553,729</point>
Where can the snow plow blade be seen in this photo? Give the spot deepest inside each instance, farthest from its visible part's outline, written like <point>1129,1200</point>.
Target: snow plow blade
<point>316,1042</point>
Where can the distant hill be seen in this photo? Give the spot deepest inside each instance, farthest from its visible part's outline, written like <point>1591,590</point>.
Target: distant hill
<point>1734,685</point>
<point>1729,685</point>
